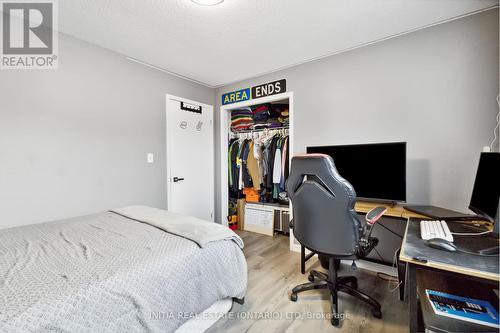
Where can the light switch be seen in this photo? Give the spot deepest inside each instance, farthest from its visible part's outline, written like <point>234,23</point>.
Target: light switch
<point>151,158</point>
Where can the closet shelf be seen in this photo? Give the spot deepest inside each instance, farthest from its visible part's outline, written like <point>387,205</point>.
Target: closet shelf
<point>261,130</point>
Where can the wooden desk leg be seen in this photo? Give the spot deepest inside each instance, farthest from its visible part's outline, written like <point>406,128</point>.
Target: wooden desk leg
<point>302,259</point>
<point>412,298</point>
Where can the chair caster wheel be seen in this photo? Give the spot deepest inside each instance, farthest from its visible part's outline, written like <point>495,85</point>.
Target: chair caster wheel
<point>293,297</point>
<point>377,314</point>
<point>310,278</point>
<point>335,321</point>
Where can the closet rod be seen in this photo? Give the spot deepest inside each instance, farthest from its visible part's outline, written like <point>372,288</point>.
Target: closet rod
<point>263,130</point>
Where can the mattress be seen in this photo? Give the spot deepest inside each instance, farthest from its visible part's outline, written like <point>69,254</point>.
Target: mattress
<point>207,318</point>
<point>110,273</point>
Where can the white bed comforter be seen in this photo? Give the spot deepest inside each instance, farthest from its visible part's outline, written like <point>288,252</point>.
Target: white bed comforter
<point>110,273</point>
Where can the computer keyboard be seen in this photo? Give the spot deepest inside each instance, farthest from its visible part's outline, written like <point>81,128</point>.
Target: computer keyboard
<point>435,229</point>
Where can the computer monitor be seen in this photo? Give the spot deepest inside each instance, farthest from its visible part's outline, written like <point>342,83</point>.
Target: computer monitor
<point>377,171</point>
<point>486,191</point>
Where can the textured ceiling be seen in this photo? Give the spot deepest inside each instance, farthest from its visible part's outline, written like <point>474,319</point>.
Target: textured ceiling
<point>239,39</point>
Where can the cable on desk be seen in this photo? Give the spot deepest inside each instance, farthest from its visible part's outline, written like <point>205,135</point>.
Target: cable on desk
<point>476,254</point>
<point>389,278</point>
<point>380,256</point>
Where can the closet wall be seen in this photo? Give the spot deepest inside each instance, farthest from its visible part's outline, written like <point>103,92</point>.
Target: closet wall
<point>434,88</point>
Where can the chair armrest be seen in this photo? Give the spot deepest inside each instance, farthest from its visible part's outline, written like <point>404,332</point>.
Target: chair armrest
<point>375,214</point>
<point>367,243</point>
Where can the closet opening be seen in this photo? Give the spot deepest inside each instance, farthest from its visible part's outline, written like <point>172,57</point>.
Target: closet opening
<point>256,146</point>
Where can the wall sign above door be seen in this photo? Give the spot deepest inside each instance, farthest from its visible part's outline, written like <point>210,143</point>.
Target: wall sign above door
<point>268,89</point>
<point>262,90</point>
<point>236,96</point>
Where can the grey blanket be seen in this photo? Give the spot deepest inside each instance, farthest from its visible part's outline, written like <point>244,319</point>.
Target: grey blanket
<point>109,273</point>
<point>199,231</point>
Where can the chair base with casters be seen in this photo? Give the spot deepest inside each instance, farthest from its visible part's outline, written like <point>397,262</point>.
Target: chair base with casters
<point>335,284</point>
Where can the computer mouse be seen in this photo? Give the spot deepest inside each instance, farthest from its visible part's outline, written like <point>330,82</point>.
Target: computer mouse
<point>442,244</point>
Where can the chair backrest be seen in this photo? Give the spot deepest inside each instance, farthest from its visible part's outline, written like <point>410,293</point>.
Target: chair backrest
<point>324,219</point>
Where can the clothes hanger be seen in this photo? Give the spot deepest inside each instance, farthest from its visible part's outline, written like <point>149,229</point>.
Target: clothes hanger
<point>264,135</point>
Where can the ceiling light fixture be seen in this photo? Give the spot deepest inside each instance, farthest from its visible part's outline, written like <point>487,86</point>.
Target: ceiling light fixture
<point>207,2</point>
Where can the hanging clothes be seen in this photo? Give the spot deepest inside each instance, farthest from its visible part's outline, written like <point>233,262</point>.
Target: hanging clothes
<point>287,158</point>
<point>277,169</point>
<point>239,163</point>
<point>230,163</point>
<point>253,167</point>
<point>234,165</point>
<point>265,159</point>
<point>258,154</point>
<point>277,164</point>
<point>259,163</point>
<point>284,163</point>
<point>270,167</point>
<point>244,178</point>
<point>247,179</point>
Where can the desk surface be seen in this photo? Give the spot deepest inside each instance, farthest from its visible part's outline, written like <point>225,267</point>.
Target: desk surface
<point>458,262</point>
<point>393,211</point>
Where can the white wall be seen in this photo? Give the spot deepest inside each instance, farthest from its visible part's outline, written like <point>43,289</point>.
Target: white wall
<point>74,140</point>
<point>434,88</point>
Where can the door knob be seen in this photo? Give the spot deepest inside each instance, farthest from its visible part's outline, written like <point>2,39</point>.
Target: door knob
<point>177,179</point>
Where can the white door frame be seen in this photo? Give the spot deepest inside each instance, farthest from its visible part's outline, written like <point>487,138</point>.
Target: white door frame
<point>168,148</point>
<point>224,132</point>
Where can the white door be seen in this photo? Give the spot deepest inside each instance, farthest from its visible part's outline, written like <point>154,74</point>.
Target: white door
<point>190,158</point>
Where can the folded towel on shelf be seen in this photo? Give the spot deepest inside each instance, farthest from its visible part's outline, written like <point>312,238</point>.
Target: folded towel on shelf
<point>274,123</point>
<point>241,119</point>
<point>261,124</point>
<point>261,113</point>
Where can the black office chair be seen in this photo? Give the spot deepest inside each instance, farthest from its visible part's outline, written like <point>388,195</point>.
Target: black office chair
<point>325,222</point>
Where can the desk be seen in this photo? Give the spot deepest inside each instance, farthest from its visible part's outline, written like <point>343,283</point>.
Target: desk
<point>363,207</point>
<point>422,259</point>
<point>392,211</point>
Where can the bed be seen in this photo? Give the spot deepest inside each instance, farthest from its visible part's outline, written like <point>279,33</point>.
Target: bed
<point>130,269</point>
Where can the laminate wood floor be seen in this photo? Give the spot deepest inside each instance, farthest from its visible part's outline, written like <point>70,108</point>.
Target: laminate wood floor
<point>273,270</point>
